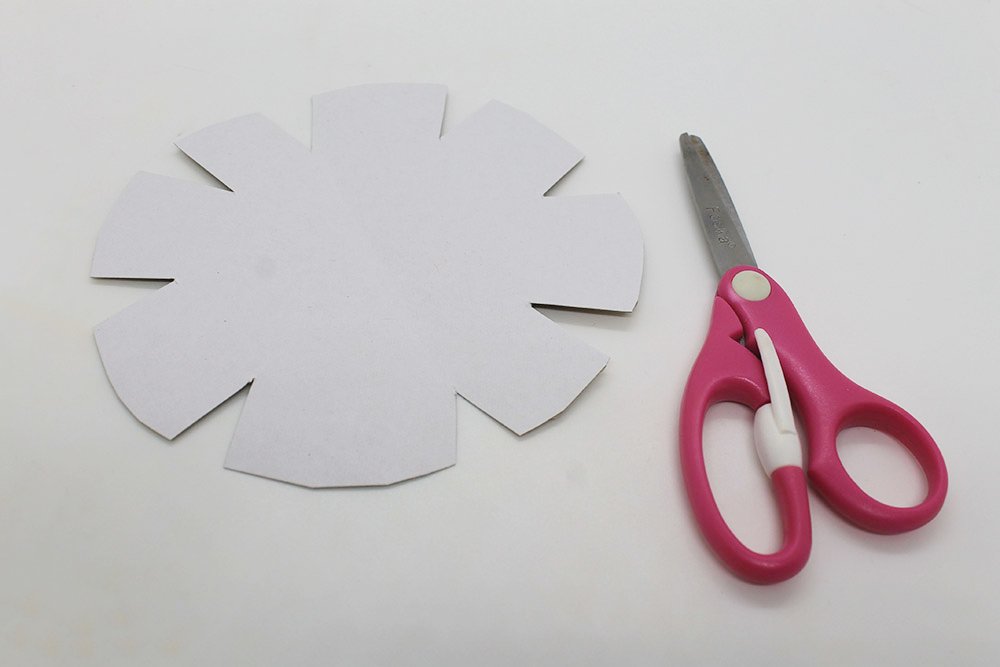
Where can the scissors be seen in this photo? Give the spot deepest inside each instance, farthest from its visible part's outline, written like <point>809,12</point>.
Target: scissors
<point>759,353</point>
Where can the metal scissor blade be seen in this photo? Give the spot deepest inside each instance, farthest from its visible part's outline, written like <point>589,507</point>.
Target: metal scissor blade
<point>723,231</point>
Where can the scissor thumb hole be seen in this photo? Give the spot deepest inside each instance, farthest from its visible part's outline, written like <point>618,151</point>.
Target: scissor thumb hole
<point>882,466</point>
<point>741,489</point>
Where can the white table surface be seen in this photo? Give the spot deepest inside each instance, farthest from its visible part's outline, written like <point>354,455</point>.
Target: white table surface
<point>860,143</point>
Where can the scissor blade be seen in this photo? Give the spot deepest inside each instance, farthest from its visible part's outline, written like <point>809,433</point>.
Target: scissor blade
<point>719,221</point>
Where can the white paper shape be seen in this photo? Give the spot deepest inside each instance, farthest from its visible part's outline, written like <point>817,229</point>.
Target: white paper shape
<point>360,285</point>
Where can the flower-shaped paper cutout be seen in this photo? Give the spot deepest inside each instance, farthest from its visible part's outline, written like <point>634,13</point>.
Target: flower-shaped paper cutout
<point>362,284</point>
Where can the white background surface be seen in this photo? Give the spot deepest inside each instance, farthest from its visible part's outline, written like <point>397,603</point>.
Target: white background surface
<point>859,141</point>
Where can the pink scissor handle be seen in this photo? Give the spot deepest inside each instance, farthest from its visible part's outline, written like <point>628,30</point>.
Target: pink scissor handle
<point>828,402</point>
<point>725,371</point>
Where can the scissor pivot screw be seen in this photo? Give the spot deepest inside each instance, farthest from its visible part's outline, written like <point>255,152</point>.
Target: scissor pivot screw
<point>751,285</point>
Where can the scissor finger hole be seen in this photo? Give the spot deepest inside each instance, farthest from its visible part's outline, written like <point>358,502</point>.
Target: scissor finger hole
<point>881,466</point>
<point>741,489</point>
